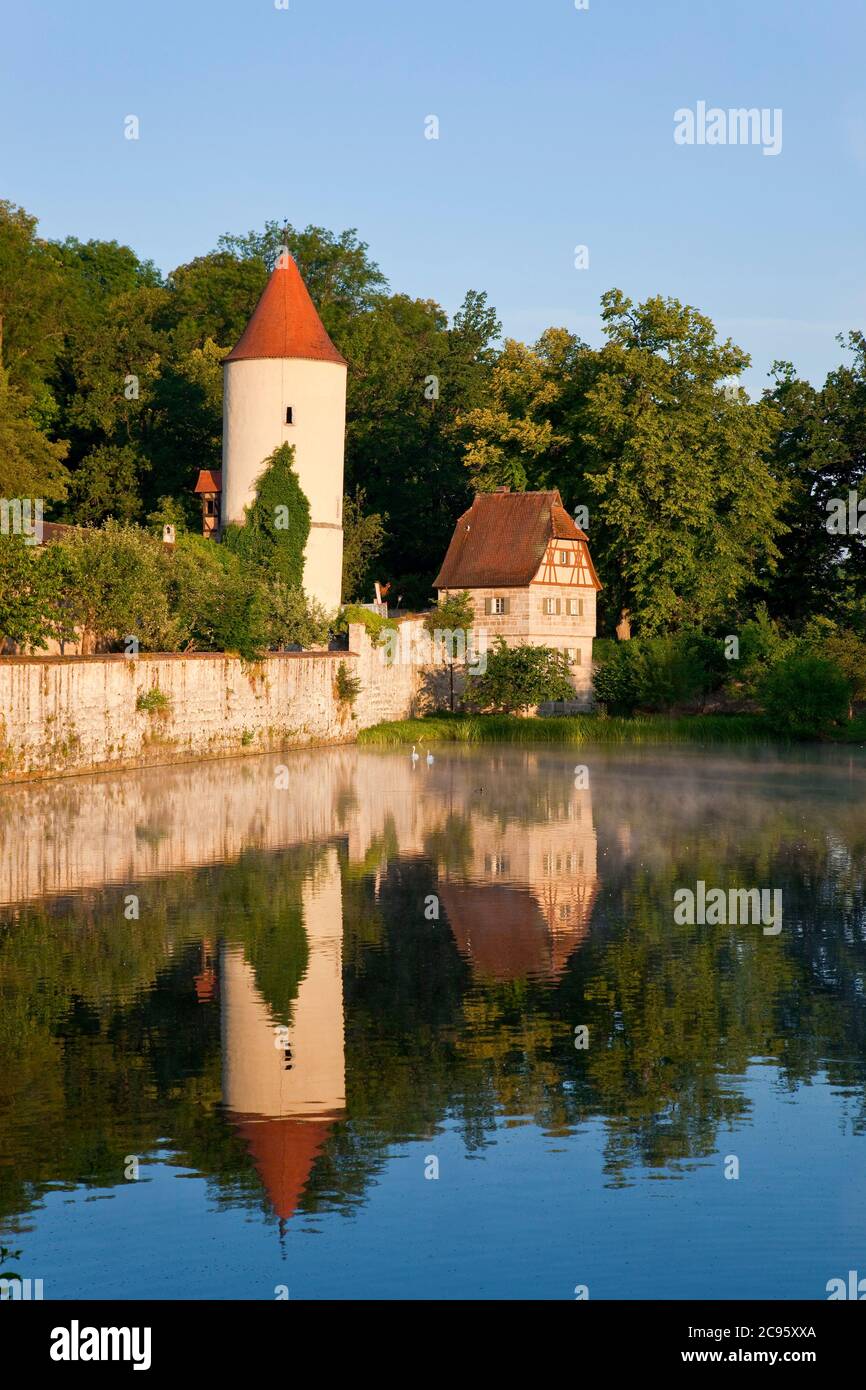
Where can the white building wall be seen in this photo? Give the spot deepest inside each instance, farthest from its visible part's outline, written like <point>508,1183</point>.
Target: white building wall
<point>257,393</point>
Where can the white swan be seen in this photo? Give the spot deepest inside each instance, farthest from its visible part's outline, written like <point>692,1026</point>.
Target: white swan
<point>414,754</point>
<point>429,759</point>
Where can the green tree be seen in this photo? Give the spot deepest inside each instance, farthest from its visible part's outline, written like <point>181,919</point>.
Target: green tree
<point>22,594</point>
<point>172,511</point>
<point>30,464</point>
<point>688,509</point>
<point>519,678</point>
<point>449,625</point>
<point>219,603</point>
<point>804,695</point>
<point>184,425</point>
<point>411,378</point>
<point>118,586</point>
<point>107,484</point>
<point>525,434</point>
<point>32,298</point>
<point>293,619</point>
<point>212,297</point>
<point>820,458</point>
<point>363,535</point>
<point>342,280</point>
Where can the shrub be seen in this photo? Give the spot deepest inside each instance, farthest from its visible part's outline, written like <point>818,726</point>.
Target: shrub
<point>293,619</point>
<point>709,653</point>
<point>220,603</point>
<point>670,672</point>
<point>803,695</point>
<point>655,673</point>
<point>118,584</point>
<point>154,701</point>
<point>518,678</point>
<point>846,649</point>
<point>761,644</point>
<point>615,679</point>
<point>348,687</point>
<point>375,624</point>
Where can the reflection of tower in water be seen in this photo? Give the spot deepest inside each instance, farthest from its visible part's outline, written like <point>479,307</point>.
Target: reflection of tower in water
<point>521,905</point>
<point>284,1087</point>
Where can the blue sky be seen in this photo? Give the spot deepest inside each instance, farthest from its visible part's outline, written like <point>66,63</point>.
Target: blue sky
<point>556,129</point>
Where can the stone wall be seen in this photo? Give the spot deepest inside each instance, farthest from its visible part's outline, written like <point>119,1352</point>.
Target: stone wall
<point>61,715</point>
<point>526,621</point>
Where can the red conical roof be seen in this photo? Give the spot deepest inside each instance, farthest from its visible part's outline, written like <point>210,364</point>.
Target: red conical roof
<point>283,1151</point>
<point>285,323</point>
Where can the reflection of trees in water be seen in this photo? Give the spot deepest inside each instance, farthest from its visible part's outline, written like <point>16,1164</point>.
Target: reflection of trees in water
<point>676,1013</point>
<point>116,1050</point>
<point>450,845</point>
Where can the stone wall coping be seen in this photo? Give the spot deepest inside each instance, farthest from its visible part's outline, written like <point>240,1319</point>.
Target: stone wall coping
<point>73,659</point>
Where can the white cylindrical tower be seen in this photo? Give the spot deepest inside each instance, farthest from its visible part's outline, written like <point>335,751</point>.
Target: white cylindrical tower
<point>285,383</point>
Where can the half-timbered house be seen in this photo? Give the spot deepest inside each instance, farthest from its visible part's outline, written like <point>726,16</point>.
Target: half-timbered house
<point>527,566</point>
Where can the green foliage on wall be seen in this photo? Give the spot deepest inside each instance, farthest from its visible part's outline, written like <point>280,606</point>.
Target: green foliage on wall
<point>277,524</point>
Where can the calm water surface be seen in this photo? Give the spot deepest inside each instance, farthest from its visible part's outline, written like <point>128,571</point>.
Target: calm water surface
<point>285,994</point>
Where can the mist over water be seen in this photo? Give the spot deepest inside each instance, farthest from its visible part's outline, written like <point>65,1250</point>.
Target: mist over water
<point>328,1037</point>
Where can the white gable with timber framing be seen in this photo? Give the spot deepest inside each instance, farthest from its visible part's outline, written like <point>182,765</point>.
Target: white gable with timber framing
<point>567,564</point>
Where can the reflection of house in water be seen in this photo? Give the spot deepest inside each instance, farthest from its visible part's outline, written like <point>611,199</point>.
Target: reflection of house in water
<point>521,903</point>
<point>283,1088</point>
<point>511,839</point>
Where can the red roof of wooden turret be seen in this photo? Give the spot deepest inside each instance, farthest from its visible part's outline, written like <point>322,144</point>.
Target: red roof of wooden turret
<point>285,323</point>
<point>209,480</point>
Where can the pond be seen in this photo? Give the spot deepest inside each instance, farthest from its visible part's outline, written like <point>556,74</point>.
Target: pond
<point>339,1024</point>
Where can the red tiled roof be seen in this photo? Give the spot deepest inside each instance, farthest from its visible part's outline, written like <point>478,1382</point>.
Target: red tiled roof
<point>285,323</point>
<point>502,930</point>
<point>502,539</point>
<point>209,480</point>
<point>565,528</point>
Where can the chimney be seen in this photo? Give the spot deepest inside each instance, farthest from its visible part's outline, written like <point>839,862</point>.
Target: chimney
<point>503,488</point>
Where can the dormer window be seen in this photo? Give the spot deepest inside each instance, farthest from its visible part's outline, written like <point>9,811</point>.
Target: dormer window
<point>290,411</point>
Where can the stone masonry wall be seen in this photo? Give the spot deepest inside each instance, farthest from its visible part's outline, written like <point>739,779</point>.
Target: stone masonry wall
<point>61,715</point>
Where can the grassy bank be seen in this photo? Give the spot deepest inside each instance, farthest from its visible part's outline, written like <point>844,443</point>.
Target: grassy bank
<point>575,729</point>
